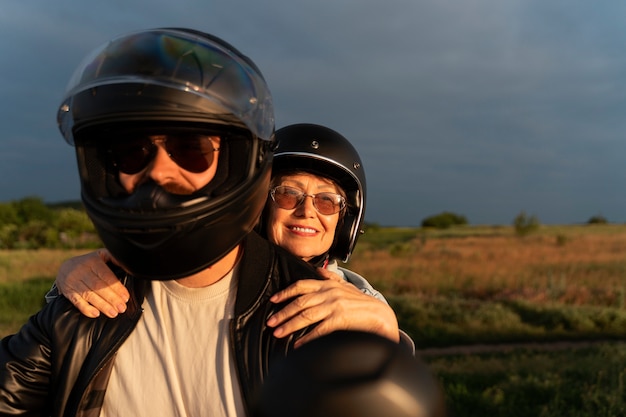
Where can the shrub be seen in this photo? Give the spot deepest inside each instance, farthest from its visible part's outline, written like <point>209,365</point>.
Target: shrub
<point>597,219</point>
<point>31,224</point>
<point>525,224</point>
<point>444,220</point>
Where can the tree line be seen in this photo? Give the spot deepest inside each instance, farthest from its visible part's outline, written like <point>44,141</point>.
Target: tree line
<point>30,223</point>
<point>523,223</point>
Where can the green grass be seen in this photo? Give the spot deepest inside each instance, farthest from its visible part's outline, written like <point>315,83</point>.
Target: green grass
<point>379,238</point>
<point>19,300</point>
<point>586,382</point>
<point>448,321</point>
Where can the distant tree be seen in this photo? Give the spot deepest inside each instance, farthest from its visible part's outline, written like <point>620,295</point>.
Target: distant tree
<point>74,221</point>
<point>32,208</point>
<point>8,214</point>
<point>444,220</point>
<point>8,236</point>
<point>74,204</point>
<point>74,227</point>
<point>525,224</point>
<point>371,227</point>
<point>597,219</point>
<point>29,223</point>
<point>34,235</point>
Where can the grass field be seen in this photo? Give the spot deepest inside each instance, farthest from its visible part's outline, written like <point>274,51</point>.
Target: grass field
<point>577,382</point>
<point>469,286</point>
<point>485,285</point>
<point>25,276</point>
<point>570,264</point>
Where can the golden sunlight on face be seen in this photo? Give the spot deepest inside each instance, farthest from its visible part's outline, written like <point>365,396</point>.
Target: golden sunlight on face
<point>302,230</point>
<point>168,174</point>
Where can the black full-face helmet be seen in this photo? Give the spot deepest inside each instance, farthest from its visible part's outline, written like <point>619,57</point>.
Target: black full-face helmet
<point>326,153</point>
<point>164,81</point>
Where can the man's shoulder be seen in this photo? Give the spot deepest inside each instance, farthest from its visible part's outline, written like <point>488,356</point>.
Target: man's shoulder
<point>266,256</point>
<point>295,266</point>
<point>61,318</point>
<point>265,269</point>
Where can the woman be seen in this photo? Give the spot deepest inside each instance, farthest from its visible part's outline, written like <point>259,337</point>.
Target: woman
<point>315,210</point>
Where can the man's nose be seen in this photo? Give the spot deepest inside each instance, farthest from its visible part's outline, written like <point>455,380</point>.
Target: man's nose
<point>162,166</point>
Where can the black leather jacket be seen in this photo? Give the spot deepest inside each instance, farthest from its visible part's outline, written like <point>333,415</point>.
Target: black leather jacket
<point>58,364</point>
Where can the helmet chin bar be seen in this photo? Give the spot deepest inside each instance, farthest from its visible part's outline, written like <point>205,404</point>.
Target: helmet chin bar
<point>150,196</point>
<point>158,235</point>
<point>161,244</point>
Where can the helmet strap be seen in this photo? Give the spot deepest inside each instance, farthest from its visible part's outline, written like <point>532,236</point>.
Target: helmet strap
<point>320,261</point>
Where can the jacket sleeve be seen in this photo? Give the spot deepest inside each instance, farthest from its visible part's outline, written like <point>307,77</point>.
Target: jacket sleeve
<point>361,283</point>
<point>367,288</point>
<point>25,370</point>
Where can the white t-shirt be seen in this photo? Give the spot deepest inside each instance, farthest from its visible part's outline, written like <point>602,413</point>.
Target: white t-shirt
<point>177,362</point>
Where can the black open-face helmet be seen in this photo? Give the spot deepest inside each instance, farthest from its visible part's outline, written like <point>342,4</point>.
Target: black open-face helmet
<point>157,81</point>
<point>326,153</point>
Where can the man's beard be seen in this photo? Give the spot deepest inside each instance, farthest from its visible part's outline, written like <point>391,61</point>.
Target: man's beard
<point>176,188</point>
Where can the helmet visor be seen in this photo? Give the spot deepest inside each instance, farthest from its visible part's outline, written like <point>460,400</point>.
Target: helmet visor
<point>182,60</point>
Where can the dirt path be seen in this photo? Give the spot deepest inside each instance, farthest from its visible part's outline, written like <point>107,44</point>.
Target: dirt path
<point>508,347</point>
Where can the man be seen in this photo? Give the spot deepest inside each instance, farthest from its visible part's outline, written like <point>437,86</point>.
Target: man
<point>173,131</point>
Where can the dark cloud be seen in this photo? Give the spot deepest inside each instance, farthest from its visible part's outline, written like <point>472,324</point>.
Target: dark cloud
<point>485,108</point>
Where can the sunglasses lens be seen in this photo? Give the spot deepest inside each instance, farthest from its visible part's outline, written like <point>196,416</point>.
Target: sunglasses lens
<point>286,198</point>
<point>132,156</point>
<point>327,203</point>
<point>193,153</point>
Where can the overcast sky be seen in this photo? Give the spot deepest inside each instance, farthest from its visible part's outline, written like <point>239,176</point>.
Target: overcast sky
<point>480,107</point>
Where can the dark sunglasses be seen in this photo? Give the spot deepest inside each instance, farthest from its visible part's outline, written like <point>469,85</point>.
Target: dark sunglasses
<point>192,152</point>
<point>325,203</point>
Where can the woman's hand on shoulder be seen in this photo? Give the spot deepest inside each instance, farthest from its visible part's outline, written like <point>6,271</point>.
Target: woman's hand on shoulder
<point>335,305</point>
<point>91,286</point>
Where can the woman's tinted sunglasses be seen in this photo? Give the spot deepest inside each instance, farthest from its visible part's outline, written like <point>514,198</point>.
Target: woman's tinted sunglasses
<point>325,203</point>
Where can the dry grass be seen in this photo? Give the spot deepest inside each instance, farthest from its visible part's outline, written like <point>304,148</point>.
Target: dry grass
<point>572,264</point>
<point>25,277</point>
<point>20,265</point>
<point>575,265</point>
